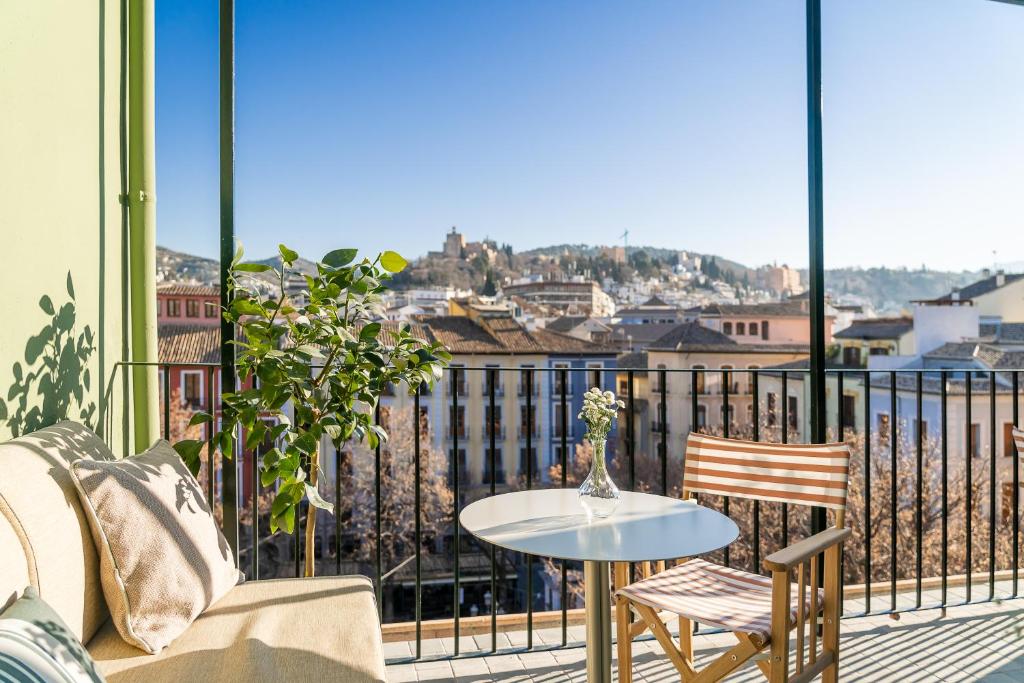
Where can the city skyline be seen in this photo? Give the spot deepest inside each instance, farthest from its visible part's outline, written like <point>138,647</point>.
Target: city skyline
<point>378,127</point>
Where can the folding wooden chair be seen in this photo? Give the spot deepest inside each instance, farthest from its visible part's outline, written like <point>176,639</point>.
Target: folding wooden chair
<point>1018,440</point>
<point>759,610</point>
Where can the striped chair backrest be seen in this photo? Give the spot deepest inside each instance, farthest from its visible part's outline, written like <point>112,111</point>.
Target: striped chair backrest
<point>1018,440</point>
<point>805,474</point>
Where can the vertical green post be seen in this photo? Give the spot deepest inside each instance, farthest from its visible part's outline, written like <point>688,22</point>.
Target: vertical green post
<point>142,219</point>
<point>229,469</point>
<point>815,235</point>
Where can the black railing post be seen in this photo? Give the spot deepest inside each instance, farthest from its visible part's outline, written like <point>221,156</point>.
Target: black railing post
<point>785,439</point>
<point>893,466</point>
<point>418,526</point>
<point>944,454</point>
<point>493,460</point>
<point>630,431</point>
<point>663,420</point>
<point>1015,550</point>
<point>969,501</point>
<point>529,485</point>
<point>725,433</point>
<point>167,402</point>
<point>816,238</point>
<point>564,462</point>
<point>229,472</point>
<point>918,498</point>
<point>867,491</point>
<point>458,425</point>
<point>755,413</point>
<point>378,514</point>
<point>992,485</point>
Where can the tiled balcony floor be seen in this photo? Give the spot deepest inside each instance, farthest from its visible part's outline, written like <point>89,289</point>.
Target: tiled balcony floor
<point>977,642</point>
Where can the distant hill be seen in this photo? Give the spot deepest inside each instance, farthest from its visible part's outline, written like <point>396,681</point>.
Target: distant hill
<point>888,289</point>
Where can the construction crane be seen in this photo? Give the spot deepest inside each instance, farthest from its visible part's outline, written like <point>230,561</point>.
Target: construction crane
<point>625,238</point>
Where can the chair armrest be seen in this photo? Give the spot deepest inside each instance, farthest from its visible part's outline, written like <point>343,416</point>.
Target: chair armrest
<point>792,555</point>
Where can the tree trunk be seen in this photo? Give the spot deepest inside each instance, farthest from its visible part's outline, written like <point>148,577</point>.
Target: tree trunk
<point>314,470</point>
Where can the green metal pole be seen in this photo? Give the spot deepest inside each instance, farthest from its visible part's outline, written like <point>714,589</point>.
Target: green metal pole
<point>229,469</point>
<point>816,264</point>
<point>142,219</point>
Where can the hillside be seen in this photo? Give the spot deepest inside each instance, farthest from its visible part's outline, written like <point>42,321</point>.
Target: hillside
<point>887,289</point>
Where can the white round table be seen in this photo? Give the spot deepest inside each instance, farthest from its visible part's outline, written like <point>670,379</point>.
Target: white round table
<point>552,523</point>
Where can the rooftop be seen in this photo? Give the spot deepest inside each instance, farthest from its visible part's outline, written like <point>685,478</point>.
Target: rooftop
<point>877,328</point>
<point>976,289</point>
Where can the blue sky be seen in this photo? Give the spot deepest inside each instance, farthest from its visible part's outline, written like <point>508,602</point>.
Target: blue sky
<point>381,124</point>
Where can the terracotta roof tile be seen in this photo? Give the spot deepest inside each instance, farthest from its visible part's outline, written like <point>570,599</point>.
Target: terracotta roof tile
<point>188,343</point>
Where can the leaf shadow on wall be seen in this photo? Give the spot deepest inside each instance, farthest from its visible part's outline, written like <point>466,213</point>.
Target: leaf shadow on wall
<point>52,383</point>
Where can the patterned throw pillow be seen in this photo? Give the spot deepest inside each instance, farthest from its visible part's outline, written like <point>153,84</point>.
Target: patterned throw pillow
<point>36,646</point>
<point>163,559</point>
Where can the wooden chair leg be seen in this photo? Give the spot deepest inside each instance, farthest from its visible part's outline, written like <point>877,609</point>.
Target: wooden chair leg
<point>830,629</point>
<point>686,638</point>
<point>664,638</point>
<point>730,661</point>
<point>780,627</point>
<point>623,637</point>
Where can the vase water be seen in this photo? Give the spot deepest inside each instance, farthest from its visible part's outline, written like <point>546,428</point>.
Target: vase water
<point>598,494</point>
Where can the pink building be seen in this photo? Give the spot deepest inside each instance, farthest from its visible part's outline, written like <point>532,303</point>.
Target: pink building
<point>785,322</point>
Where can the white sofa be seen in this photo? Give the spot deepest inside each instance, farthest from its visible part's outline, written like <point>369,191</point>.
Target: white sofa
<point>278,630</point>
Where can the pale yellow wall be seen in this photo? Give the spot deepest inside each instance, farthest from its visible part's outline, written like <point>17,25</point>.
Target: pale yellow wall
<point>1006,302</point>
<point>679,399</point>
<point>59,212</point>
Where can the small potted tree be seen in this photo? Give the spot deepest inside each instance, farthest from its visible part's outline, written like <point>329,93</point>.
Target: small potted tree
<point>319,365</point>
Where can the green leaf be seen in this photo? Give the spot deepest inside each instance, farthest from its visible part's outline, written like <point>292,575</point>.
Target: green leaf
<point>369,331</point>
<point>70,287</point>
<point>189,451</point>
<point>200,418</point>
<point>287,255</point>
<point>253,267</point>
<point>339,257</point>
<point>315,500</point>
<point>46,304</point>
<point>393,262</point>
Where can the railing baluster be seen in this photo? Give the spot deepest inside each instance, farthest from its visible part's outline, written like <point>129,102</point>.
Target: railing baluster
<point>992,485</point>
<point>564,462</point>
<point>841,433</point>
<point>725,433</point>
<point>867,491</point>
<point>1015,418</point>
<point>663,423</point>
<point>337,519</point>
<point>918,501</point>
<point>785,439</point>
<point>893,466</point>
<point>755,413</point>
<point>379,505</point>
<point>456,527</point>
<point>630,430</point>
<point>211,428</point>
<point>492,439</point>
<point>693,405</point>
<point>944,454</point>
<point>418,527</point>
<point>529,485</point>
<point>969,502</point>
<point>167,403</point>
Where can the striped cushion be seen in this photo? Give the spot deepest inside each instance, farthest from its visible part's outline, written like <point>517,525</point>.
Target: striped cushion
<point>1018,440</point>
<point>805,474</point>
<point>716,596</point>
<point>36,646</point>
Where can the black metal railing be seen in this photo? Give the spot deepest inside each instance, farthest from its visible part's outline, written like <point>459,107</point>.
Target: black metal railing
<point>927,485</point>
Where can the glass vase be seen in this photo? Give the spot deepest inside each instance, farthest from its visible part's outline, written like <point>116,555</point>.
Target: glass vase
<point>598,494</point>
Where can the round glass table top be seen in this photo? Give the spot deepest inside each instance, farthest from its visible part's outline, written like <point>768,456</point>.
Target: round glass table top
<point>552,523</point>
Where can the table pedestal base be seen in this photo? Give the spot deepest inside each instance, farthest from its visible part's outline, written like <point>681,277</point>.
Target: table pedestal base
<point>597,600</point>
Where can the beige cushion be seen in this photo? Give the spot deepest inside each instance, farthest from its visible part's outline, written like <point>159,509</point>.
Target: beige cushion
<point>13,565</point>
<point>163,559</point>
<point>322,629</point>
<point>38,500</point>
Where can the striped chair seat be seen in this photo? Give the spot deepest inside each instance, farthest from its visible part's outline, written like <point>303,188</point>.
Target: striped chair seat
<point>716,596</point>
